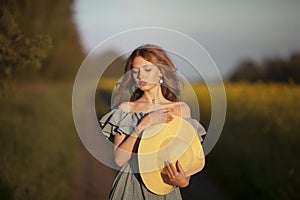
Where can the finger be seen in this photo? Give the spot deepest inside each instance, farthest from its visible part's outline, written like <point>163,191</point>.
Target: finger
<point>169,109</point>
<point>174,171</point>
<point>166,116</point>
<point>168,173</point>
<point>164,110</point>
<point>169,118</point>
<point>169,169</point>
<point>161,110</point>
<point>179,167</point>
<point>165,164</point>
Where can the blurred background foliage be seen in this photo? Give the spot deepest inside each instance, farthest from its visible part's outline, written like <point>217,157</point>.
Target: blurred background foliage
<point>274,69</point>
<point>40,52</point>
<point>38,39</point>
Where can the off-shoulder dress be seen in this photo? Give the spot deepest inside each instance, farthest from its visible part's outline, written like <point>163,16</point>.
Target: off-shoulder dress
<point>127,184</point>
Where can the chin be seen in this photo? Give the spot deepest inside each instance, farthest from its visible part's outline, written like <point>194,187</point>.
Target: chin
<point>148,86</point>
<point>144,88</point>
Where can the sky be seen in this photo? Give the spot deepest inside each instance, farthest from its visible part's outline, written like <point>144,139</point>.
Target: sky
<point>230,31</point>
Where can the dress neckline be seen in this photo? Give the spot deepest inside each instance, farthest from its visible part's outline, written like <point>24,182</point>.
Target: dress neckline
<point>144,113</point>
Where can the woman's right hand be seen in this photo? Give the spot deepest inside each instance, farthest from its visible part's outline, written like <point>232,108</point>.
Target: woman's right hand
<point>159,116</point>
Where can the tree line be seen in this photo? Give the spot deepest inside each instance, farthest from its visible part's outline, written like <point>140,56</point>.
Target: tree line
<point>275,69</point>
<point>38,39</point>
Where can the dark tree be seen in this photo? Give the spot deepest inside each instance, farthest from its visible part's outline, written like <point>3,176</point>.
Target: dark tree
<point>18,50</point>
<point>272,69</point>
<point>247,70</point>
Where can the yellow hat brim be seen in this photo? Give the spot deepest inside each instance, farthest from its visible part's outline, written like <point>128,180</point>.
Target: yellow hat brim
<point>176,140</point>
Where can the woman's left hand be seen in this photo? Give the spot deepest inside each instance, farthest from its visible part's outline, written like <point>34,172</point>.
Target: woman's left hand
<point>176,175</point>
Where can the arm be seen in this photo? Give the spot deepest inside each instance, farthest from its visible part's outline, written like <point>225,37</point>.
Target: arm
<point>125,145</point>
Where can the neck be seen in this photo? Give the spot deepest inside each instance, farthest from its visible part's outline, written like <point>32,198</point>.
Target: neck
<point>154,94</point>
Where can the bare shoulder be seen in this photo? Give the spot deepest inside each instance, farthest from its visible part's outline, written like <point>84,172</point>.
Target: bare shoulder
<point>185,109</point>
<point>125,106</point>
<point>132,106</point>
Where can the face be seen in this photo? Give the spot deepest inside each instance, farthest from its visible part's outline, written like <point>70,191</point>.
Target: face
<point>145,74</point>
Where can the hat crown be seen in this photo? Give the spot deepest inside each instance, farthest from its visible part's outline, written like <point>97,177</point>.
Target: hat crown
<point>176,140</point>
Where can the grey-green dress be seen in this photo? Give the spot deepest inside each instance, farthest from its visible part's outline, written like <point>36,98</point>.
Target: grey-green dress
<point>128,185</point>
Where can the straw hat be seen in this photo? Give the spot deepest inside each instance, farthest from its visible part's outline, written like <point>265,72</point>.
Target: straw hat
<point>176,140</point>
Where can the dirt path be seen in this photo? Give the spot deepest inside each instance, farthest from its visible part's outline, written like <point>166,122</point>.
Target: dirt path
<point>94,179</point>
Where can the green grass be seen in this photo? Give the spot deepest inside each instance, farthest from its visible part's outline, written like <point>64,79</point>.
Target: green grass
<point>37,142</point>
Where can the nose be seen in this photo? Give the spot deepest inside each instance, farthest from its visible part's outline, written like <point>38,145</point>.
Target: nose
<point>140,75</point>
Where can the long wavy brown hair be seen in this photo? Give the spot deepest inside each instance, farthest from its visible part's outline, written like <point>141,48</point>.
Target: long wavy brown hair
<point>157,56</point>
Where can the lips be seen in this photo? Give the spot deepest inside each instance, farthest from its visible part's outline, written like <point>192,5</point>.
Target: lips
<point>142,83</point>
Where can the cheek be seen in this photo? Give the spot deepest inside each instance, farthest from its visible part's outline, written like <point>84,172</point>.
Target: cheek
<point>154,77</point>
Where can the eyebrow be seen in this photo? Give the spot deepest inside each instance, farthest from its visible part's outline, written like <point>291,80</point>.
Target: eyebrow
<point>146,65</point>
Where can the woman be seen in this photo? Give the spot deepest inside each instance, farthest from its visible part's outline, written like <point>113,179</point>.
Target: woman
<point>150,77</point>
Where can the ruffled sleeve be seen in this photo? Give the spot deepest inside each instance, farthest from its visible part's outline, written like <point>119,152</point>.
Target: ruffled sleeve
<point>118,121</point>
<point>199,128</point>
